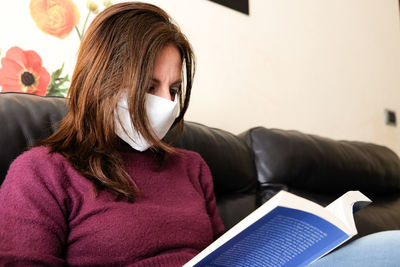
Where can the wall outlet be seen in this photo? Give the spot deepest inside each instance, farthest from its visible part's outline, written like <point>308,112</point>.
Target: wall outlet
<point>390,117</point>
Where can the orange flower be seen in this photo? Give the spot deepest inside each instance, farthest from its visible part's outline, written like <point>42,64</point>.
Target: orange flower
<point>55,17</point>
<point>22,71</point>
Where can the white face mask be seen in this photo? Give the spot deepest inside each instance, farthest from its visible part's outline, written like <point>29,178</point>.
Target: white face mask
<point>161,113</point>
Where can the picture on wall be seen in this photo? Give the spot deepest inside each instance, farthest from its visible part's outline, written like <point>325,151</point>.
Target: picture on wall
<point>238,5</point>
<point>25,69</point>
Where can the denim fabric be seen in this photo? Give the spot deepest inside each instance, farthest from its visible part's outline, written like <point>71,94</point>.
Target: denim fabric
<point>379,249</point>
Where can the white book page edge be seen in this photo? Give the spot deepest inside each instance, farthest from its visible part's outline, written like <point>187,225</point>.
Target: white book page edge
<point>342,207</point>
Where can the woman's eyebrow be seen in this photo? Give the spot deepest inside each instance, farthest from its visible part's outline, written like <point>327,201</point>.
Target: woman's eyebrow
<point>177,82</point>
<point>155,80</point>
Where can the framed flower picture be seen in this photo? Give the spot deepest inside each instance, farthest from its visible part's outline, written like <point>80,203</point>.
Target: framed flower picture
<point>24,68</point>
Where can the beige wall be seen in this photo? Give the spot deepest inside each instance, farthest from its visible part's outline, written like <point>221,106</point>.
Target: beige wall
<point>327,67</point>
<point>319,66</point>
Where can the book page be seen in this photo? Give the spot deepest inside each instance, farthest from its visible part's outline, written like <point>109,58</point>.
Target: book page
<point>290,200</point>
<point>283,236</point>
<point>345,206</point>
<point>285,215</point>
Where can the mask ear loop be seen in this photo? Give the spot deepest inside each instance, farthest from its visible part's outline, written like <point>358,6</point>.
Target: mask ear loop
<point>122,105</point>
<point>177,107</point>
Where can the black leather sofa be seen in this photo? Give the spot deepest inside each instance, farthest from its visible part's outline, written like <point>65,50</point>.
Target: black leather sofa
<point>248,168</point>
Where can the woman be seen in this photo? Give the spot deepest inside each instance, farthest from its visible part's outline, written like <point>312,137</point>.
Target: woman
<point>84,196</point>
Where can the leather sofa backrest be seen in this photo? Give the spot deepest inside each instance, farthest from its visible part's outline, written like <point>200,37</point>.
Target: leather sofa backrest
<point>320,164</point>
<point>25,119</point>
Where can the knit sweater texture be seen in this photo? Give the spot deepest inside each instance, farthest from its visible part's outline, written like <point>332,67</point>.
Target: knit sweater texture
<point>50,216</point>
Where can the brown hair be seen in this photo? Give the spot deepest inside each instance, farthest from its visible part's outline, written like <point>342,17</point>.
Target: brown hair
<point>116,56</point>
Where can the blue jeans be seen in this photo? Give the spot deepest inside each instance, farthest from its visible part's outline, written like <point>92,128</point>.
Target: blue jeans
<point>379,249</point>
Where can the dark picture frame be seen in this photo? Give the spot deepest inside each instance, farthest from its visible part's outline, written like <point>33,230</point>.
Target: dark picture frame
<point>238,5</point>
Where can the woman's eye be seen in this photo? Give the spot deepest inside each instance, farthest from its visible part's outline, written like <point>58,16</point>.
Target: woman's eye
<point>151,89</point>
<point>173,91</point>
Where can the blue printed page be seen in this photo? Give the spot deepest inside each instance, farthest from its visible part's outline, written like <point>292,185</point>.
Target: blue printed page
<point>283,237</point>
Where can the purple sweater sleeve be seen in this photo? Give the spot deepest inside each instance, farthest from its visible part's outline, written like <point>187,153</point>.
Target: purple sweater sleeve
<point>208,189</point>
<point>32,214</point>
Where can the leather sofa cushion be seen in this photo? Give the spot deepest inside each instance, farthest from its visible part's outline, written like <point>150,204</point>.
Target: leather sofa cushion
<point>228,157</point>
<point>322,165</point>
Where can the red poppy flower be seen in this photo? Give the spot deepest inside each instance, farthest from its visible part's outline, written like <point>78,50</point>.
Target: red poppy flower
<point>22,71</point>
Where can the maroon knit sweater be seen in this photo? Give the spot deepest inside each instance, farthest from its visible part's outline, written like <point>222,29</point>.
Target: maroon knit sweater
<point>49,215</point>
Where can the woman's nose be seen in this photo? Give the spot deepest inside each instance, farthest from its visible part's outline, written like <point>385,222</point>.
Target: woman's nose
<point>164,93</point>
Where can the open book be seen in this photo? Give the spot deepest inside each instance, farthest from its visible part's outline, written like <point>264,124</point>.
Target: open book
<point>287,230</point>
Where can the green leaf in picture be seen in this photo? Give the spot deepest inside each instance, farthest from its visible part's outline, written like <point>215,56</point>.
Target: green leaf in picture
<point>59,84</point>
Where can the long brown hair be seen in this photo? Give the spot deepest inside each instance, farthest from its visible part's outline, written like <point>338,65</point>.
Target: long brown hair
<point>117,56</point>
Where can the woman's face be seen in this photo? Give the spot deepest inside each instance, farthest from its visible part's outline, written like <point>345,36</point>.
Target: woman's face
<point>166,81</point>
